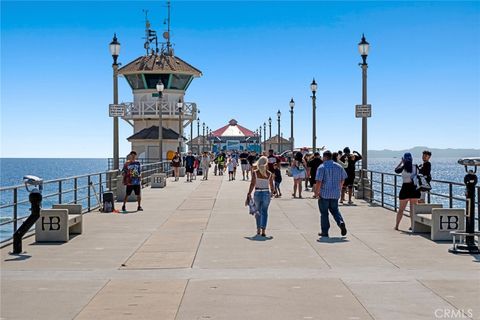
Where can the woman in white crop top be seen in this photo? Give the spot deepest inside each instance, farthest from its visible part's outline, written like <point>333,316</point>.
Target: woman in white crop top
<point>262,182</point>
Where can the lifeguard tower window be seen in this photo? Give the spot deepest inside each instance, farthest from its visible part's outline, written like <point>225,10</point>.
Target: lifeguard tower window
<point>135,81</point>
<point>179,81</point>
<point>152,80</point>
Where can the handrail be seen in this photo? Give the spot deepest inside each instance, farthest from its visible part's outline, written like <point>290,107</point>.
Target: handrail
<point>383,190</point>
<point>74,189</point>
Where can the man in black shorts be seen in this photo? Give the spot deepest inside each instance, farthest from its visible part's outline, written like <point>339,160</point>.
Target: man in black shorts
<point>132,178</point>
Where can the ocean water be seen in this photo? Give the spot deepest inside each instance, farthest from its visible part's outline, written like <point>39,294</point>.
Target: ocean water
<point>13,170</point>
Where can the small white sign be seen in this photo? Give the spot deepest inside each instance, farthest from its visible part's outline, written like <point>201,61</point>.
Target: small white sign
<point>363,111</point>
<point>116,110</point>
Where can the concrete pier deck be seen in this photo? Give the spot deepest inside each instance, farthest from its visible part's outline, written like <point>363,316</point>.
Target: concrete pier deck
<point>192,254</point>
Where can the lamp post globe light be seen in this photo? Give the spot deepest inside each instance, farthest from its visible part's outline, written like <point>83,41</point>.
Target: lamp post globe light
<point>279,114</point>
<point>363,48</point>
<point>180,125</point>
<point>313,87</point>
<point>292,105</point>
<point>160,87</point>
<point>115,51</point>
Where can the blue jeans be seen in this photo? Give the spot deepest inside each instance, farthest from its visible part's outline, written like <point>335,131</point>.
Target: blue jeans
<point>325,205</point>
<point>262,201</point>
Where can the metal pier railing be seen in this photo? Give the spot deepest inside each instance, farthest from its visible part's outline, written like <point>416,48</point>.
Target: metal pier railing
<point>85,189</point>
<point>385,188</point>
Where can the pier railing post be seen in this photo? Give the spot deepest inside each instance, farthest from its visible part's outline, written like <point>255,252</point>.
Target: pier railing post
<point>383,189</point>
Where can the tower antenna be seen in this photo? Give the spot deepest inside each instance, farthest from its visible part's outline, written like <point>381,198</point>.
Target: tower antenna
<point>166,35</point>
<point>169,45</point>
<point>146,45</point>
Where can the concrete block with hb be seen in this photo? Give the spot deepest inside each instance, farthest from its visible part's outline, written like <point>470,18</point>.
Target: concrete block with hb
<point>159,180</point>
<point>56,224</point>
<point>438,221</point>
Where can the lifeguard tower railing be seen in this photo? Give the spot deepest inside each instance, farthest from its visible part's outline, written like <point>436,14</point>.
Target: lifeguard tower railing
<point>144,109</point>
<point>85,189</point>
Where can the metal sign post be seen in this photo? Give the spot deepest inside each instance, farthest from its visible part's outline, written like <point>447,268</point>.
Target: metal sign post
<point>363,111</point>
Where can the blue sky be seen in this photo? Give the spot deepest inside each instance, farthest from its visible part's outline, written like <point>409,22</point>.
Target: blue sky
<point>423,76</point>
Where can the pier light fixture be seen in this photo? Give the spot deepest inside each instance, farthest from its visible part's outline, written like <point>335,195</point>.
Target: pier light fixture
<point>115,51</point>
<point>313,87</point>
<point>279,114</point>
<point>364,48</point>
<point>198,135</point>
<point>292,105</point>
<point>180,124</point>
<point>265,136</point>
<point>114,48</point>
<point>269,127</point>
<point>160,87</point>
<point>203,137</point>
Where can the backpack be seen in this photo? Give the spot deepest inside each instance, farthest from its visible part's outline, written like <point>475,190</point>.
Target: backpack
<point>421,181</point>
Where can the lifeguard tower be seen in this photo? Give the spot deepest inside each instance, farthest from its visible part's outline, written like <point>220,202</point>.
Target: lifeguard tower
<point>152,109</point>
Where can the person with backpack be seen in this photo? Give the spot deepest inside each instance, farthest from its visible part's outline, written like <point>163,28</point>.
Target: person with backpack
<point>132,178</point>
<point>408,192</point>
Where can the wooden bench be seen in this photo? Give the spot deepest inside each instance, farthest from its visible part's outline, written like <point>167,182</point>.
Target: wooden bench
<point>56,224</point>
<point>440,222</point>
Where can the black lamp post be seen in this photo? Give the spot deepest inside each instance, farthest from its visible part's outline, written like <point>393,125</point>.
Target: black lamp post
<point>292,105</point>
<point>269,127</point>
<point>115,51</point>
<point>160,87</point>
<point>198,134</point>
<point>180,124</point>
<point>208,142</point>
<point>363,48</point>
<point>203,137</point>
<point>313,87</point>
<point>279,114</point>
<point>264,136</point>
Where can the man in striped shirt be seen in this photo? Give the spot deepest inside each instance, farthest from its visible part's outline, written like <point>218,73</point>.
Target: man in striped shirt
<point>330,177</point>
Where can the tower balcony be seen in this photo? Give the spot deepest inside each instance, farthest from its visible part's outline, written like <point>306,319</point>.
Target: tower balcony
<point>150,110</point>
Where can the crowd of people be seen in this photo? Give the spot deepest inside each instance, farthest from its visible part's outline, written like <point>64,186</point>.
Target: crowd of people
<point>330,177</point>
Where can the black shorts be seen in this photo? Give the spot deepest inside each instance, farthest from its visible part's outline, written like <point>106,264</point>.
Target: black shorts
<point>409,191</point>
<point>134,188</point>
<point>189,169</point>
<point>349,182</point>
